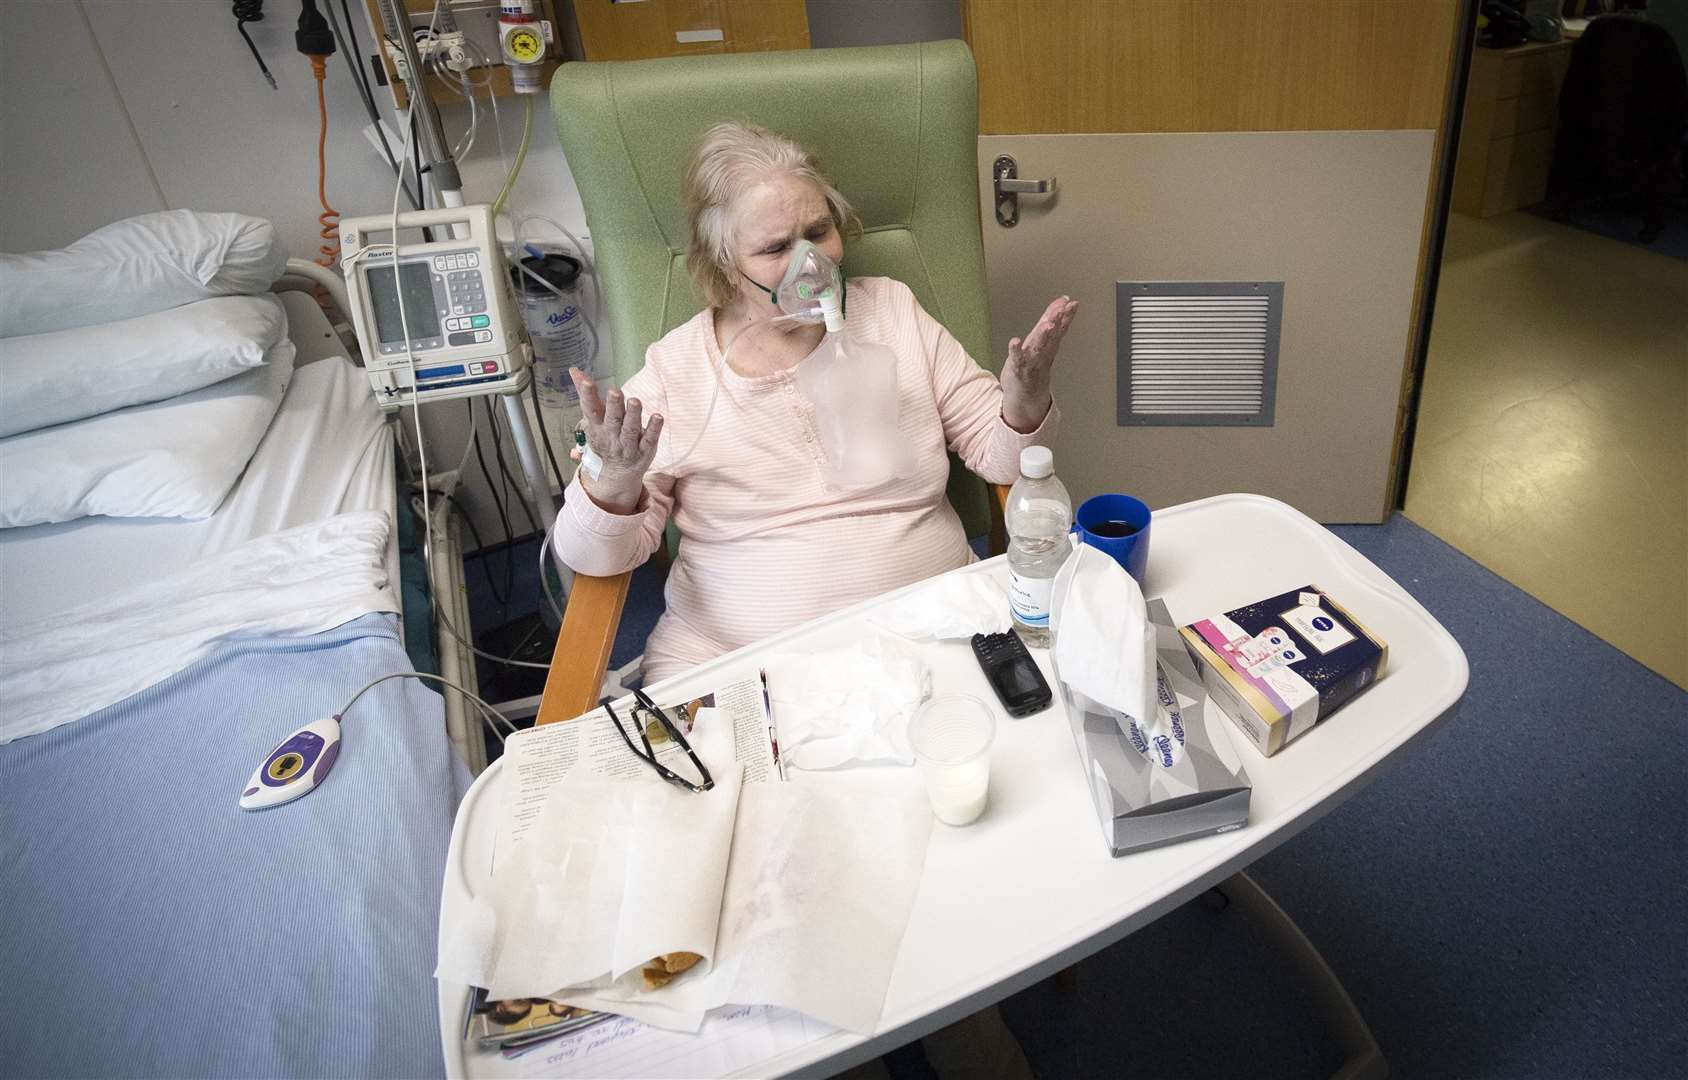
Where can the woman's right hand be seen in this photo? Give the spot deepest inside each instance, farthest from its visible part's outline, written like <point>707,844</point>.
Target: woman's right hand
<point>616,431</point>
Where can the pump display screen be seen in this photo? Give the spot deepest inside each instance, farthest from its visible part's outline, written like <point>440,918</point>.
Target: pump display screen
<point>419,310</point>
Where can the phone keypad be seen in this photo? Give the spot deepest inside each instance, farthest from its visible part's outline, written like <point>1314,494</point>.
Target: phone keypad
<point>467,291</point>
<point>994,647</point>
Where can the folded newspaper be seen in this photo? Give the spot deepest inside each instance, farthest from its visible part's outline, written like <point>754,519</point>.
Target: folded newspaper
<point>787,894</point>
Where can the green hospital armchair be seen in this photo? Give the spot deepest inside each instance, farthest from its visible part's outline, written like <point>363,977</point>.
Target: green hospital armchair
<point>895,128</point>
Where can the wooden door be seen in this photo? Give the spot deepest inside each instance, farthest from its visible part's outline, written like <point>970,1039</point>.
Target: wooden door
<point>1243,142</point>
<point>652,28</point>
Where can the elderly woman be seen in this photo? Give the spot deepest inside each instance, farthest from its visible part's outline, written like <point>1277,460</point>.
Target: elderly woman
<point>766,542</point>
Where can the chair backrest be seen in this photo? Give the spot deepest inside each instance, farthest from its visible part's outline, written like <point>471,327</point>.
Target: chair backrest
<point>895,128</point>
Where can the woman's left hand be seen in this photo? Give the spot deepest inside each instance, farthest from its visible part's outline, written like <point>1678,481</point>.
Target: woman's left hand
<point>1025,375</point>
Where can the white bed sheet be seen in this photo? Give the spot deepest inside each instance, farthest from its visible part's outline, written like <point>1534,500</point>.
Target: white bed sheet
<point>327,452</point>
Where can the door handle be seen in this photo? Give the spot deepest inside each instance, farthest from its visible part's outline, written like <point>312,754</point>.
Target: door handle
<point>1009,187</point>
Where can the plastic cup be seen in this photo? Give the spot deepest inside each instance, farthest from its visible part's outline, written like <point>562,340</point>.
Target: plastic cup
<point>1097,521</point>
<point>951,737</point>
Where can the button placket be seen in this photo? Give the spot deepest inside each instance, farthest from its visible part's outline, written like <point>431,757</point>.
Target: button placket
<point>805,414</point>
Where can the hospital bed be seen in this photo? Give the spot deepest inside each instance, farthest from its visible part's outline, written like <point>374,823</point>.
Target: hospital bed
<point>327,452</point>
<point>152,927</point>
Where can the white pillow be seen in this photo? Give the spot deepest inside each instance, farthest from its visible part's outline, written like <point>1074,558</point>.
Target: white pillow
<point>48,379</point>
<point>175,458</point>
<point>138,266</point>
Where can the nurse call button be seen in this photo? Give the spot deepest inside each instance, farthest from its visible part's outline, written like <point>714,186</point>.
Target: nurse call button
<point>290,760</point>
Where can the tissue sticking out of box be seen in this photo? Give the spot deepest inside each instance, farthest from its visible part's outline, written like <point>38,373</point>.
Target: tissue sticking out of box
<point>1104,645</point>
<point>1173,779</point>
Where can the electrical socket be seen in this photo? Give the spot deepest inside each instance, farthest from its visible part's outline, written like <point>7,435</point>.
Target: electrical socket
<point>450,43</point>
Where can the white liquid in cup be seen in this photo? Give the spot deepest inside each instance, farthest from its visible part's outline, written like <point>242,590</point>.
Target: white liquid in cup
<point>958,793</point>
<point>952,737</point>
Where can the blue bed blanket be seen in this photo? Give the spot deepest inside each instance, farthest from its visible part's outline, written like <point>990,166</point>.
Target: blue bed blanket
<point>152,928</point>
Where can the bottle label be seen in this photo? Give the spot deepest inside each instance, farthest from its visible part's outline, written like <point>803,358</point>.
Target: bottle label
<point>1029,597</point>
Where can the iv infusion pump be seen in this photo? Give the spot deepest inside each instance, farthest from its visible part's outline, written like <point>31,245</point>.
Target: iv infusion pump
<point>466,333</point>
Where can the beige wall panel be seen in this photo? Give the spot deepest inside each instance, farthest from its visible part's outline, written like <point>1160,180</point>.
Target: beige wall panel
<point>1335,215</point>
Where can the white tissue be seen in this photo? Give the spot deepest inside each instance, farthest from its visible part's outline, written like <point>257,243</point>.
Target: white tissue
<point>822,878</point>
<point>614,872</point>
<point>1104,646</point>
<point>848,705</point>
<point>956,605</point>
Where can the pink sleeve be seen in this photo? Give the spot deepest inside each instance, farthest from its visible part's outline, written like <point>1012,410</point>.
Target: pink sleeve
<point>589,539</point>
<point>969,402</point>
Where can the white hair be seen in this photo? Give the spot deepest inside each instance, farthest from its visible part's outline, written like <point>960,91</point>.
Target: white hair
<point>731,159</point>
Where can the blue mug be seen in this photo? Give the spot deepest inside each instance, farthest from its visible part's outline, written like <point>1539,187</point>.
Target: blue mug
<point>1119,526</point>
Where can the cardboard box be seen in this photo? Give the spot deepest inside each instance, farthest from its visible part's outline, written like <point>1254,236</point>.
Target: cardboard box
<point>1279,667</point>
<point>1172,783</point>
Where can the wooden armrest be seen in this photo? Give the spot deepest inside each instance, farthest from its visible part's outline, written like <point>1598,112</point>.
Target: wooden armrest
<point>999,519</point>
<point>583,647</point>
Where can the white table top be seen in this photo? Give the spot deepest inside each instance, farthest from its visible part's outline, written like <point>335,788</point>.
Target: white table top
<point>1030,887</point>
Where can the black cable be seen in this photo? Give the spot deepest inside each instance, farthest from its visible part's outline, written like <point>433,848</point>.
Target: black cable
<point>356,49</point>
<point>503,515</point>
<point>539,414</point>
<point>349,46</point>
<point>416,149</point>
<point>246,11</point>
<point>503,480</point>
<point>504,468</point>
<point>480,546</point>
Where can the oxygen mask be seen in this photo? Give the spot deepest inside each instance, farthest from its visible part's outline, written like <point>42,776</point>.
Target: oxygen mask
<point>812,289</point>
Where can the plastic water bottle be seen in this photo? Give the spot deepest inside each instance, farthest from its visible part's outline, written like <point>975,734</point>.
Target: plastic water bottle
<point>1038,516</point>
<point>555,327</point>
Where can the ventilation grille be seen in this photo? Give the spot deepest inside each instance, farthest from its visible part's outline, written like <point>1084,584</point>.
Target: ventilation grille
<point>1198,353</point>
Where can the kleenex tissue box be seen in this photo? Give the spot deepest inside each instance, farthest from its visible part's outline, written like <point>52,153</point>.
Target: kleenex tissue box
<point>1280,666</point>
<point>1164,781</point>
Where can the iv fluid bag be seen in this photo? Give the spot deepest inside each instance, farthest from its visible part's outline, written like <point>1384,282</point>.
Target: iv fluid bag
<point>852,385</point>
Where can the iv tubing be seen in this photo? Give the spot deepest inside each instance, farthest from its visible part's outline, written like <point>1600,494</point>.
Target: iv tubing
<point>720,377</point>
<point>521,155</point>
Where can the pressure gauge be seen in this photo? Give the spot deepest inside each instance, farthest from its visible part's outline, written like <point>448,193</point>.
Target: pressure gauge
<point>523,43</point>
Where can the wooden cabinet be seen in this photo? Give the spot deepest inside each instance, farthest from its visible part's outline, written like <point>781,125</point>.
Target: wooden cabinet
<point>1506,137</point>
<point>642,29</point>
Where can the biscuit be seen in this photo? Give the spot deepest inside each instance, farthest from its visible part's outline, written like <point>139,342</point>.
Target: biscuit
<point>662,970</point>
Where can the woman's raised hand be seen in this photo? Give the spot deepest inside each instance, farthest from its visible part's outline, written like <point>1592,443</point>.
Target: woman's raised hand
<point>617,432</point>
<point>1025,375</point>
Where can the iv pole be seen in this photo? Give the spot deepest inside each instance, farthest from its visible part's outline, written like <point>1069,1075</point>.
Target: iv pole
<point>442,169</point>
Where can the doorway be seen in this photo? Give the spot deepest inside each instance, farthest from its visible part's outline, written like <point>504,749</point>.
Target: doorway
<point>1551,440</point>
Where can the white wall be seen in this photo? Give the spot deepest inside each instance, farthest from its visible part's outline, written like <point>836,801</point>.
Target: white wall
<point>69,159</point>
<point>110,108</point>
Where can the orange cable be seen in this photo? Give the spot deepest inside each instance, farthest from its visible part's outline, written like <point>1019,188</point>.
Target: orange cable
<point>329,219</point>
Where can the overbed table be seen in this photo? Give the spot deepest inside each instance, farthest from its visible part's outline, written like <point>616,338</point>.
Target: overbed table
<point>1030,888</point>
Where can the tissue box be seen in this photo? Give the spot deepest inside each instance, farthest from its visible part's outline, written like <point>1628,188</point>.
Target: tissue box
<point>1171,783</point>
<point>1280,666</point>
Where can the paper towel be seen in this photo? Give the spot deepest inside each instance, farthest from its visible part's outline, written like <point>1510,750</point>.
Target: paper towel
<point>613,873</point>
<point>956,605</point>
<point>1104,647</point>
<point>823,876</point>
<point>847,705</point>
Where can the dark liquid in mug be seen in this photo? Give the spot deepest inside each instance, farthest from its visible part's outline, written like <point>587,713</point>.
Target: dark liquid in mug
<point>1113,530</point>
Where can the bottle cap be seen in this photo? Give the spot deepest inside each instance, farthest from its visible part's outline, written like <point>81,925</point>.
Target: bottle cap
<point>562,271</point>
<point>1037,462</point>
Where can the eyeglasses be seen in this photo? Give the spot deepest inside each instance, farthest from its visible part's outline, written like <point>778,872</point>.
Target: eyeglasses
<point>643,705</point>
